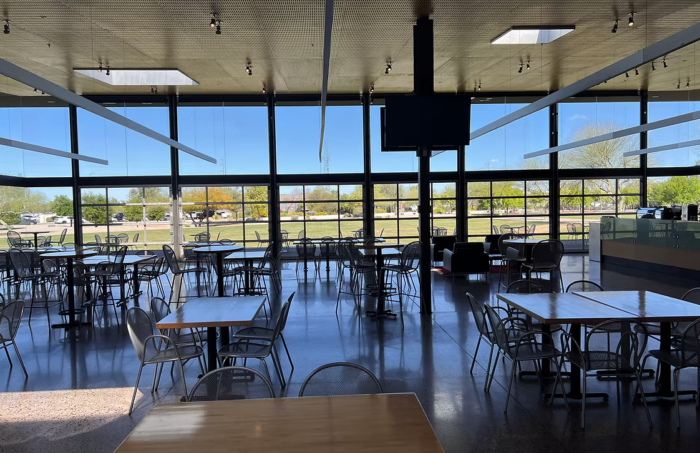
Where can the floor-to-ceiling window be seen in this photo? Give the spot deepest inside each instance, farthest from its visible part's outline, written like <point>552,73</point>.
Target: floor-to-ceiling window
<point>38,120</point>
<point>664,105</point>
<point>139,216</point>
<point>497,207</point>
<point>585,201</point>
<point>320,211</point>
<point>396,212</point>
<point>236,213</point>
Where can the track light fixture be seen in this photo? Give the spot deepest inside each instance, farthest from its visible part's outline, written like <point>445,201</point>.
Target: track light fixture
<point>154,89</point>
<point>387,70</point>
<point>627,75</point>
<point>218,29</point>
<point>653,68</point>
<point>99,69</point>
<point>679,85</point>
<point>520,71</point>
<point>665,65</point>
<point>479,88</point>
<point>371,89</point>
<point>687,83</point>
<point>636,71</point>
<point>35,90</point>
<point>528,65</point>
<point>214,20</point>
<point>614,29</point>
<point>248,70</point>
<point>475,88</point>
<point>631,20</point>
<point>264,90</point>
<point>7,27</point>
<point>107,71</point>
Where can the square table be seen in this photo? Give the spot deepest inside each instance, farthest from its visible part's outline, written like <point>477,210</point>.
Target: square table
<point>651,307</point>
<point>248,256</point>
<point>566,308</point>
<point>213,312</point>
<point>387,423</point>
<point>135,260</point>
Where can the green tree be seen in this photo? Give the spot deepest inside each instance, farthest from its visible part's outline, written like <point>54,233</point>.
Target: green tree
<point>133,211</point>
<point>94,214</point>
<point>677,190</point>
<point>62,205</point>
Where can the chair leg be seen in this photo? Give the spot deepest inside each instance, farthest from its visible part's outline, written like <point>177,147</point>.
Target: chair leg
<point>184,384</point>
<point>583,402</point>
<point>136,388</point>
<point>287,350</point>
<point>488,368</point>
<point>644,399</point>
<point>476,352</point>
<point>510,384</point>
<point>676,372</point>
<point>267,372</point>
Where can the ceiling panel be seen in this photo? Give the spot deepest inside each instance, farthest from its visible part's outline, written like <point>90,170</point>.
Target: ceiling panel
<point>283,41</point>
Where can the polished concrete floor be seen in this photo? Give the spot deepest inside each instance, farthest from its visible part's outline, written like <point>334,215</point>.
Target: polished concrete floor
<point>80,383</point>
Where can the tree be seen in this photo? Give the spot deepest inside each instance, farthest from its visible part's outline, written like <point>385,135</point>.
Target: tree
<point>94,214</point>
<point>677,190</point>
<point>62,206</point>
<point>17,200</point>
<point>133,211</point>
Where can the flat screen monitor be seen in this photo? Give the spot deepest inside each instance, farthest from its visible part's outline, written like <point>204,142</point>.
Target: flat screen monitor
<point>435,121</point>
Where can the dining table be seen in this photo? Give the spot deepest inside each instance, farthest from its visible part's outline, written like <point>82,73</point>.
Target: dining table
<point>219,251</point>
<point>36,236</point>
<point>248,256</point>
<point>385,423</point>
<point>212,313</point>
<point>135,261</point>
<point>70,256</point>
<point>593,307</point>
<point>377,251</point>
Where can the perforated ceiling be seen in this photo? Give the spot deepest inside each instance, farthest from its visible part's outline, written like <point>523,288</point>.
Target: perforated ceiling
<point>283,41</point>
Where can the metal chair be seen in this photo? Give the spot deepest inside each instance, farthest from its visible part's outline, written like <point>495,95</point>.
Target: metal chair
<point>25,273</point>
<point>149,274</point>
<point>175,269</point>
<point>531,229</point>
<point>340,378</point>
<point>506,229</point>
<point>485,332</point>
<point>495,229</point>
<point>610,347</point>
<point>248,348</point>
<point>62,238</point>
<point>10,320</point>
<point>284,240</point>
<point>514,260</point>
<point>14,240</point>
<point>302,234</point>
<point>112,273</point>
<point>135,241</point>
<point>528,348</point>
<point>266,333</point>
<point>155,349</point>
<point>232,383</point>
<point>358,268</point>
<point>308,249</point>
<point>686,355</point>
<point>406,266</point>
<point>546,257</point>
<point>260,241</point>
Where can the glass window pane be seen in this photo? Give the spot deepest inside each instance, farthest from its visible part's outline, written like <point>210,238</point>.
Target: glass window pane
<point>666,105</point>
<point>347,228</point>
<point>408,191</point>
<point>479,227</point>
<point>537,188</point>
<point>445,161</point>
<point>351,192</point>
<point>676,190</point>
<point>478,189</point>
<point>298,130</point>
<point>385,191</point>
<point>321,193</point>
<point>128,152</point>
<point>479,207</point>
<point>385,228</point>
<point>537,206</point>
<point>37,209</point>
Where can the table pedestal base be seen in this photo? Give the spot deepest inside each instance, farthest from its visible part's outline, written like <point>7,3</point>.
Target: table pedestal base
<point>373,314</point>
<point>579,396</point>
<point>70,325</point>
<point>663,394</point>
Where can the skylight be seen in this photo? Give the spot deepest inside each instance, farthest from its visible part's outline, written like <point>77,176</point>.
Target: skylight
<point>533,35</point>
<point>146,77</point>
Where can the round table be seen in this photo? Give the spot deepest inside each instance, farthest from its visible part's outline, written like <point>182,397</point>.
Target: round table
<point>379,246</point>
<point>524,244</point>
<point>219,251</point>
<point>69,256</point>
<point>36,234</point>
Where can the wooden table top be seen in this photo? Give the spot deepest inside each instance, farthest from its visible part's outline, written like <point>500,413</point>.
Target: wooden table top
<point>385,252</point>
<point>563,308</point>
<point>246,255</point>
<point>218,249</point>
<point>377,245</point>
<point>128,259</point>
<point>646,306</point>
<point>214,312</point>
<point>77,252</point>
<point>388,423</point>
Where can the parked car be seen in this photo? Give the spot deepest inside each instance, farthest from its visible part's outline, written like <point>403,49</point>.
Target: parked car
<point>63,219</point>
<point>118,216</point>
<point>166,216</point>
<point>29,219</point>
<point>224,214</point>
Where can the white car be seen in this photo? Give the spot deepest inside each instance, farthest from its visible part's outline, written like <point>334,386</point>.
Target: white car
<point>62,219</point>
<point>224,214</point>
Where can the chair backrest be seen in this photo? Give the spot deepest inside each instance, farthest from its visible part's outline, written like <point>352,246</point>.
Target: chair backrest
<point>122,237</point>
<point>63,236</point>
<point>501,246</point>
<point>49,266</point>
<point>307,248</point>
<point>570,228</point>
<point>692,295</point>
<point>345,254</point>
<point>381,233</point>
<point>499,331</point>
<point>231,383</point>
<point>119,258</point>
<point>547,253</point>
<point>302,234</point>
<point>10,319</point>
<point>479,314</point>
<point>506,229</point>
<point>171,259</point>
<point>328,243</point>
<point>281,320</point>
<point>98,239</point>
<point>139,326</point>
<point>629,339</point>
<point>286,313</point>
<point>525,287</point>
<point>159,308</point>
<point>136,237</point>
<point>267,258</point>
<point>583,286</point>
<point>690,344</point>
<point>413,251</point>
<point>531,229</point>
<point>495,229</point>
<point>340,378</point>
<point>21,263</point>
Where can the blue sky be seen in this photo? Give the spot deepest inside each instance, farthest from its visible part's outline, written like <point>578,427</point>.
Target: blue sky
<point>237,137</point>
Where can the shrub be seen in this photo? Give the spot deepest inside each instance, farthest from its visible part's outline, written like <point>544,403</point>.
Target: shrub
<point>321,213</point>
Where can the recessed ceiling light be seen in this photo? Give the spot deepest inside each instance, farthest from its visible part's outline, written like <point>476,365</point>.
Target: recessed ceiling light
<point>533,34</point>
<point>143,77</point>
